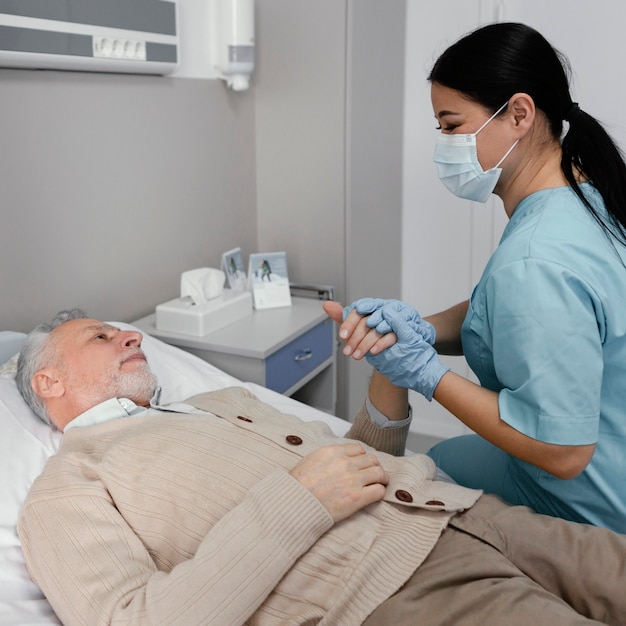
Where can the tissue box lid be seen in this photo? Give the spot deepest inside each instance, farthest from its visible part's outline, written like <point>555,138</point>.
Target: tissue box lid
<point>182,316</point>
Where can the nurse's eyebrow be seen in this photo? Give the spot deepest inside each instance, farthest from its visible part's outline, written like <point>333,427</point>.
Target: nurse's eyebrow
<point>444,113</point>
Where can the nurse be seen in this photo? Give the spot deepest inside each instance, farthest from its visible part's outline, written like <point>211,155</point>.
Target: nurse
<point>545,328</point>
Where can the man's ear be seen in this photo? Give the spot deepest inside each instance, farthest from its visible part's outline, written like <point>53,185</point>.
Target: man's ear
<point>46,384</point>
<point>523,112</point>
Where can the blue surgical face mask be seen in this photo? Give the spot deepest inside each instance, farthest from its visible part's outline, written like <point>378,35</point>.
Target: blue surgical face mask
<point>458,167</point>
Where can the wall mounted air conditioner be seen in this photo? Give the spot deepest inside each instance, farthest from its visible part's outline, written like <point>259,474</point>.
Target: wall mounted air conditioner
<point>130,36</point>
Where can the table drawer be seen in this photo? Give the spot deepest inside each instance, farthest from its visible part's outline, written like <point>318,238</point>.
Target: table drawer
<point>292,362</point>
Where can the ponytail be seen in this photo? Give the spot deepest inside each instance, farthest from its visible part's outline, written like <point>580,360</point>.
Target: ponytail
<point>589,150</point>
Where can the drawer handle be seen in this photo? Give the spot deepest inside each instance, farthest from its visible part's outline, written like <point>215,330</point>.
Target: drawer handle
<point>305,355</point>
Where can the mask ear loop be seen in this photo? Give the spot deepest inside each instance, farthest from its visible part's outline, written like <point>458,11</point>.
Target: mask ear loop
<point>492,117</point>
<point>499,163</point>
<point>487,122</point>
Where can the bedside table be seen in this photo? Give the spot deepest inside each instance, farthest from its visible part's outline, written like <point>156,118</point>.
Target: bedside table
<point>290,350</point>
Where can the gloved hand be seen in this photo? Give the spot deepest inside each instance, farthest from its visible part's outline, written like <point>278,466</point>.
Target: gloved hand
<point>375,307</point>
<point>411,362</point>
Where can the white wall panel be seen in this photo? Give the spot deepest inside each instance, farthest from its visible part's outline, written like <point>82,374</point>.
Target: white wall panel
<point>445,239</point>
<point>591,35</point>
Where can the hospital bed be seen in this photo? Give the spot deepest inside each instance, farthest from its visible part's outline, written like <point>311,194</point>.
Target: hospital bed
<point>26,443</point>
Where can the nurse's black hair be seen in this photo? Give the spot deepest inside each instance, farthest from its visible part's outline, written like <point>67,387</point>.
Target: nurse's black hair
<point>492,63</point>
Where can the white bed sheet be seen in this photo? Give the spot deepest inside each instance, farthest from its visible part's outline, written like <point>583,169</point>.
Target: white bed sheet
<point>26,444</point>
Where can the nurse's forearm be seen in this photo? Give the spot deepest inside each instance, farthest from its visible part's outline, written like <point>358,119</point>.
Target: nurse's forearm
<point>477,408</point>
<point>448,326</point>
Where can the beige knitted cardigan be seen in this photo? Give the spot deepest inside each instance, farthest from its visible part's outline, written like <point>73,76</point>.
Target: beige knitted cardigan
<point>194,519</point>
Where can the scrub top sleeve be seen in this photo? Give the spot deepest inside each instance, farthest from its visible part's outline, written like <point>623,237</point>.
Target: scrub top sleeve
<point>547,351</point>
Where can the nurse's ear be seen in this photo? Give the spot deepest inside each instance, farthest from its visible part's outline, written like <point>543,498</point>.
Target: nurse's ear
<point>522,114</point>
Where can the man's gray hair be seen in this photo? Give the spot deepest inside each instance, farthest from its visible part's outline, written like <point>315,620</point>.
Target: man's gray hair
<point>37,353</point>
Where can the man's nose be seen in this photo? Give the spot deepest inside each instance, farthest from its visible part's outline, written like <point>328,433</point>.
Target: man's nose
<point>132,338</point>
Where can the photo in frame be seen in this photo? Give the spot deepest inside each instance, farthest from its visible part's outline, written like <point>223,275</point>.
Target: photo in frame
<point>268,280</point>
<point>232,266</point>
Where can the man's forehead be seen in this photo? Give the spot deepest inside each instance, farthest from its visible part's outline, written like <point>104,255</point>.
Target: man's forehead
<point>79,327</point>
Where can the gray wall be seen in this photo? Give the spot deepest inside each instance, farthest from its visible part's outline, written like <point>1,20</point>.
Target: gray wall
<point>112,185</point>
<point>329,117</point>
<point>374,175</point>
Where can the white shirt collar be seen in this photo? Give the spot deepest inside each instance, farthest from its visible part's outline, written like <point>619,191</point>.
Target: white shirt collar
<point>105,411</point>
<point>115,408</point>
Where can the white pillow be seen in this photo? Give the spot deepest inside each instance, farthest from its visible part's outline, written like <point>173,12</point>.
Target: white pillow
<point>25,446</point>
<point>7,370</point>
<point>10,343</point>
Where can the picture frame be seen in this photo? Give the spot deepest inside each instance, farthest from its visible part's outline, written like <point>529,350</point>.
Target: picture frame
<point>233,267</point>
<point>269,280</point>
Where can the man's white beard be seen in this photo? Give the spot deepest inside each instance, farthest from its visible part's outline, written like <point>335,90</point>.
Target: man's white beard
<point>137,386</point>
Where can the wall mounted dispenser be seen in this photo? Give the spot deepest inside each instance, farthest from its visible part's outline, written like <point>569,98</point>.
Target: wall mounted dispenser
<point>232,41</point>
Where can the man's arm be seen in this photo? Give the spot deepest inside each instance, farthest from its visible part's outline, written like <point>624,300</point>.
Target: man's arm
<point>95,570</point>
<point>393,403</point>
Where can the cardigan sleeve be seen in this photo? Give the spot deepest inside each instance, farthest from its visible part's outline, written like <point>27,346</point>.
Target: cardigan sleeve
<point>389,440</point>
<point>96,570</point>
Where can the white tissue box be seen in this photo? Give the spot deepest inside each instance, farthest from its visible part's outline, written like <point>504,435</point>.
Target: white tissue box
<point>183,316</point>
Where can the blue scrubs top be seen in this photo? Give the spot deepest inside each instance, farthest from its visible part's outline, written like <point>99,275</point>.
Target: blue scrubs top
<point>546,328</point>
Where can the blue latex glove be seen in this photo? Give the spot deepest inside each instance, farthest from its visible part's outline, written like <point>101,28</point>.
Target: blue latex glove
<point>411,362</point>
<point>375,308</point>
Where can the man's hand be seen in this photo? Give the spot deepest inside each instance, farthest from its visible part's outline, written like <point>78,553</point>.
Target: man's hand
<point>358,337</point>
<point>411,362</point>
<point>344,478</point>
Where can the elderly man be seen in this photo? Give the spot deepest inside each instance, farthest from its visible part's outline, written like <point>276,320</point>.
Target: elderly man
<point>221,510</point>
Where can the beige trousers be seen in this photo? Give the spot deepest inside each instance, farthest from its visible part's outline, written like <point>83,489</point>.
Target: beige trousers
<point>506,566</point>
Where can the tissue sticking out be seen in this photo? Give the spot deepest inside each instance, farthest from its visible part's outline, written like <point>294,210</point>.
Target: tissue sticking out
<point>204,304</point>
<point>202,284</point>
